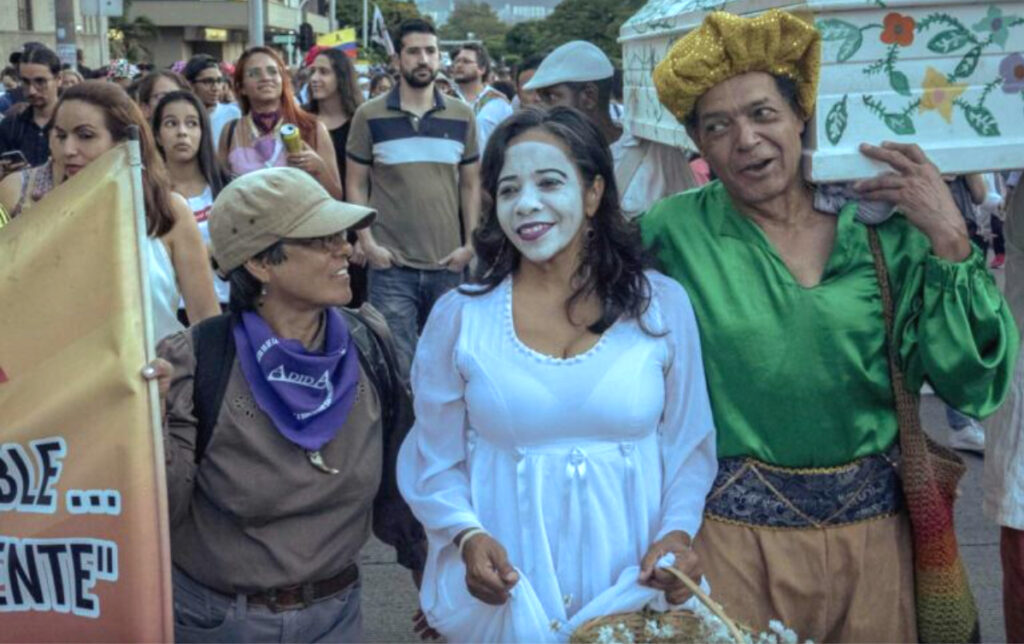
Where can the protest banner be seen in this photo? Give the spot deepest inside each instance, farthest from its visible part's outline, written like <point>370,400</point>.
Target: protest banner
<point>84,551</point>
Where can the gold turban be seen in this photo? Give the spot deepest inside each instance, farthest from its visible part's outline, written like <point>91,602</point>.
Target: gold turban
<point>727,45</point>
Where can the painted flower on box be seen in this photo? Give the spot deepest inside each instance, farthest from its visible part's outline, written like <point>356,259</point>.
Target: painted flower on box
<point>939,93</point>
<point>996,24</point>
<point>899,30</point>
<point>1012,71</point>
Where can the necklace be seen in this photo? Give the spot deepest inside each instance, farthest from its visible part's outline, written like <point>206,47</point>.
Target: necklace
<point>316,459</point>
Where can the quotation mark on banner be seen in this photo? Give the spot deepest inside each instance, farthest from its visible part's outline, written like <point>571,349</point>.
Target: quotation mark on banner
<point>93,502</point>
<point>106,560</point>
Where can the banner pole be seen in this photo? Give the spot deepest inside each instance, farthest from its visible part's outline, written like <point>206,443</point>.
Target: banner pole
<point>156,420</point>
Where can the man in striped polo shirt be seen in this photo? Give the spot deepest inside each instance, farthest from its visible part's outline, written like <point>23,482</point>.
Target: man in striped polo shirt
<point>418,149</point>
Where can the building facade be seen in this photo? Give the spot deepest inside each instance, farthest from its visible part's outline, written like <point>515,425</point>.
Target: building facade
<point>221,27</point>
<point>23,21</point>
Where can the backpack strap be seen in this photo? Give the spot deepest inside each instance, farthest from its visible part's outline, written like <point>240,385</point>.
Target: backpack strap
<point>375,362</point>
<point>231,133</point>
<point>214,349</point>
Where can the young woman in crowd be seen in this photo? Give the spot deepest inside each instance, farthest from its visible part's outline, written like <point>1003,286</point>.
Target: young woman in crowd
<point>185,140</point>
<point>91,118</point>
<point>253,142</point>
<point>381,83</point>
<point>334,88</point>
<point>807,522</point>
<point>154,85</point>
<point>335,95</point>
<point>271,503</point>
<point>563,443</point>
<point>69,78</point>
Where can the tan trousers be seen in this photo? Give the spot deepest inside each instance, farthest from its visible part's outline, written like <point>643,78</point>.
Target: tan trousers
<point>852,583</point>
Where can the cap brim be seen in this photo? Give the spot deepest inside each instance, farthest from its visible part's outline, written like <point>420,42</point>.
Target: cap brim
<point>550,80</point>
<point>539,82</point>
<point>333,217</point>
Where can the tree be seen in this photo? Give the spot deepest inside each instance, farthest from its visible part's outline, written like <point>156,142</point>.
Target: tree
<point>128,37</point>
<point>597,21</point>
<point>525,39</point>
<point>480,20</point>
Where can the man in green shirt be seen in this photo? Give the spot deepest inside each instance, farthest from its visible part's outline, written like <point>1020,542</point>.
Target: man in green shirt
<point>806,522</point>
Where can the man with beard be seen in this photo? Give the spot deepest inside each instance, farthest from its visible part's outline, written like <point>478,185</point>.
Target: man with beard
<point>578,74</point>
<point>203,73</point>
<point>419,149</point>
<point>491,107</point>
<point>24,128</point>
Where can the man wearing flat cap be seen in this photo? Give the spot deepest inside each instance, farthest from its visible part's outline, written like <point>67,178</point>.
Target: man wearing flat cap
<point>807,522</point>
<point>578,74</point>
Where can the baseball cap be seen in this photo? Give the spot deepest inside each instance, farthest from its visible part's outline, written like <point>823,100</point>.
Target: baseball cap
<point>260,208</point>
<point>577,61</point>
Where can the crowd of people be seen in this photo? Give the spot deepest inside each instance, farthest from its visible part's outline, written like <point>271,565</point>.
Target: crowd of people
<point>542,358</point>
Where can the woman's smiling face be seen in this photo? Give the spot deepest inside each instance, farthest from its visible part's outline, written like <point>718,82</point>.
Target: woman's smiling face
<point>540,201</point>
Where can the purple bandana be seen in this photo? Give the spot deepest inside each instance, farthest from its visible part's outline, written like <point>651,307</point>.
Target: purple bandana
<point>308,396</point>
<point>265,122</point>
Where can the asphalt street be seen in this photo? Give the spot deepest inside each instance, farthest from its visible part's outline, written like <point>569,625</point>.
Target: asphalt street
<point>389,599</point>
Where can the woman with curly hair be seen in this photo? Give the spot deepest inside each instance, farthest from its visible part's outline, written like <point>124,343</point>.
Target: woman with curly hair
<point>563,443</point>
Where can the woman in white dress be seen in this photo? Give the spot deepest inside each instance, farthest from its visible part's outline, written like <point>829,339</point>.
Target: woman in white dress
<point>563,444</point>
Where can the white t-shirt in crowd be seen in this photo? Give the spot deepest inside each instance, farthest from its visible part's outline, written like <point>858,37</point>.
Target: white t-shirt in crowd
<point>654,170</point>
<point>201,206</point>
<point>221,116</point>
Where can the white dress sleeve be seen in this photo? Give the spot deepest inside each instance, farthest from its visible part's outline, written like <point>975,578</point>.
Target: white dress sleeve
<point>688,457</point>
<point>432,472</point>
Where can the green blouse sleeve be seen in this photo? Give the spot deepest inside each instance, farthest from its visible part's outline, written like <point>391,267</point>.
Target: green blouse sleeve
<point>954,327</point>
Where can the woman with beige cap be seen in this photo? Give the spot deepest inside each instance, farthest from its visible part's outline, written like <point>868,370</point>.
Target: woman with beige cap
<point>806,521</point>
<point>283,420</point>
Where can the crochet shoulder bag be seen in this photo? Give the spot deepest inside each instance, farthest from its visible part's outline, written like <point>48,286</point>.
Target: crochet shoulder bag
<point>946,611</point>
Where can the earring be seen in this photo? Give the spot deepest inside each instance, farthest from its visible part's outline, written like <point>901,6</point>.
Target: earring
<point>263,294</point>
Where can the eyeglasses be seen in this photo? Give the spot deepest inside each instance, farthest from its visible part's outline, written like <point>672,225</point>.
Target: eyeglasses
<point>270,71</point>
<point>38,83</point>
<point>325,244</point>
<point>210,82</point>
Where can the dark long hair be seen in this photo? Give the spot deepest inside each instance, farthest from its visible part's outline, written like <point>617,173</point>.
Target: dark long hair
<point>348,85</point>
<point>208,165</point>
<point>612,261</point>
<point>290,110</point>
<point>120,112</point>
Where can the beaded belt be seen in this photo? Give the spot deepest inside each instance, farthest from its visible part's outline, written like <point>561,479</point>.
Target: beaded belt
<point>749,492</point>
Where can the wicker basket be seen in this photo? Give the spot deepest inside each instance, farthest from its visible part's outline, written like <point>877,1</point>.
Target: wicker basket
<point>676,626</point>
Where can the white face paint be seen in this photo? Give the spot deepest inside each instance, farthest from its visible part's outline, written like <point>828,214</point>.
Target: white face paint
<point>540,199</point>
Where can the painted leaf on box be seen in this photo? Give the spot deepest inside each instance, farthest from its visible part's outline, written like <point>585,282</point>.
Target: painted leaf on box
<point>899,82</point>
<point>968,63</point>
<point>835,123</point>
<point>981,119</point>
<point>949,41</point>
<point>900,124</point>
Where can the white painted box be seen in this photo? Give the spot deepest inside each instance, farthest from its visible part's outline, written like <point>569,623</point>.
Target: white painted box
<point>945,74</point>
